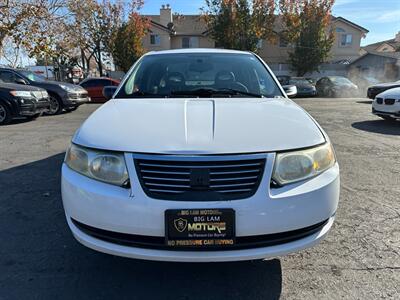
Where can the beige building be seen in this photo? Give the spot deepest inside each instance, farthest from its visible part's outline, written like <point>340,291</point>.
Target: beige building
<point>173,31</point>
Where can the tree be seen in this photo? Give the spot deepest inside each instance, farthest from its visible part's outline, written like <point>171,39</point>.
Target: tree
<point>15,18</point>
<point>307,28</point>
<point>126,46</point>
<point>95,23</point>
<point>240,24</point>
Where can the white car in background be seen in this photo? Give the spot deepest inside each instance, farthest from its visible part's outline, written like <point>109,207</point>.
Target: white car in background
<point>387,104</point>
<point>200,157</point>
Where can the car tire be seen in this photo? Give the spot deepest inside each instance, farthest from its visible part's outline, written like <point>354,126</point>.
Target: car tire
<point>71,109</point>
<point>330,94</point>
<point>388,119</point>
<point>56,105</point>
<point>5,114</point>
<point>34,117</point>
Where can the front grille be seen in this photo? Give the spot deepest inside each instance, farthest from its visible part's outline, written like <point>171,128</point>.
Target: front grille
<point>204,180</point>
<point>379,100</point>
<point>158,242</point>
<point>390,101</point>
<point>78,96</point>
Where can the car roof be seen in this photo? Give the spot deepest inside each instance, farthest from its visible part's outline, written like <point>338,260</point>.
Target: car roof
<point>197,50</point>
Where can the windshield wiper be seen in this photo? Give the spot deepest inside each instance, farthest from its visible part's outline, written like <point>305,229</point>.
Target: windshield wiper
<point>207,92</point>
<point>140,94</point>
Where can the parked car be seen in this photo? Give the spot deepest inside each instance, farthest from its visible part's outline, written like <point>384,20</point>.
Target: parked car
<point>62,95</point>
<point>304,87</point>
<point>387,104</point>
<point>379,88</point>
<point>336,86</point>
<point>95,86</point>
<point>313,81</point>
<point>21,101</point>
<point>283,79</point>
<point>200,150</point>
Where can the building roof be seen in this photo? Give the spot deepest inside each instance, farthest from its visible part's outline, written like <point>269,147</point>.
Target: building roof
<point>392,42</point>
<point>195,25</point>
<point>335,19</point>
<point>183,24</point>
<point>390,55</point>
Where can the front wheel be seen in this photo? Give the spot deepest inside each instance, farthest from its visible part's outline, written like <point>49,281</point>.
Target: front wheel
<point>388,118</point>
<point>34,117</point>
<point>71,109</point>
<point>55,106</point>
<point>5,115</point>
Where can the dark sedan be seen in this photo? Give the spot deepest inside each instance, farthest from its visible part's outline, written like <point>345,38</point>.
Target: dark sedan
<point>379,88</point>
<point>21,101</point>
<point>336,86</point>
<point>304,87</point>
<point>62,95</point>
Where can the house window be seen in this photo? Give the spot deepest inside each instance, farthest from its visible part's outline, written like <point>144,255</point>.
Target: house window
<point>190,42</point>
<point>155,39</point>
<point>259,44</point>
<point>338,29</point>
<point>346,40</point>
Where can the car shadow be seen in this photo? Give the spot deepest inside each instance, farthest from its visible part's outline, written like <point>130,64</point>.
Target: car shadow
<point>17,121</point>
<point>40,258</point>
<point>365,102</point>
<point>379,126</point>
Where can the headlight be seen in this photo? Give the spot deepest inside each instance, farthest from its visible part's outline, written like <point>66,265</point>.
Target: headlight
<point>22,94</point>
<point>299,165</point>
<point>67,88</point>
<point>101,165</point>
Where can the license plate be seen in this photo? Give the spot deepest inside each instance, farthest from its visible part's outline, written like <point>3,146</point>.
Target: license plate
<point>199,228</point>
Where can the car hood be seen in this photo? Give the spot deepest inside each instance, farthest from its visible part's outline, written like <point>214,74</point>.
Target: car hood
<point>383,85</point>
<point>56,84</point>
<point>199,126</point>
<point>394,92</point>
<point>19,87</point>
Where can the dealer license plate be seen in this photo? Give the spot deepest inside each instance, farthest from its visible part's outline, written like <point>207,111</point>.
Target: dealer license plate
<point>200,227</point>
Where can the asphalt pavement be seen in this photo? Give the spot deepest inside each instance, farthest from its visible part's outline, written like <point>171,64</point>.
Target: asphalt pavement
<point>360,259</point>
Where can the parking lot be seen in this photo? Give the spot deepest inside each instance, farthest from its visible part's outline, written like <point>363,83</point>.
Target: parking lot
<point>360,259</point>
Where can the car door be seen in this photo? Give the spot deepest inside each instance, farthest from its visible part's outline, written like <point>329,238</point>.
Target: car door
<point>89,86</point>
<point>100,84</point>
<point>325,86</point>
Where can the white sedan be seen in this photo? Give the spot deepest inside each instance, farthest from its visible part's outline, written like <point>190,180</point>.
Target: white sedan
<point>200,157</point>
<point>387,104</point>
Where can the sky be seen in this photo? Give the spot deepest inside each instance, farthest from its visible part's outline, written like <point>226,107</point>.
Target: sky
<point>380,17</point>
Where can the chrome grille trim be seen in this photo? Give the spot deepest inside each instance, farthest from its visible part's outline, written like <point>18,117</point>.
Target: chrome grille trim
<point>222,177</point>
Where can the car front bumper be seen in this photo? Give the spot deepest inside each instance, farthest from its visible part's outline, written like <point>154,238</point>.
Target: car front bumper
<point>73,100</point>
<point>30,108</point>
<point>392,111</point>
<point>306,93</point>
<point>130,211</point>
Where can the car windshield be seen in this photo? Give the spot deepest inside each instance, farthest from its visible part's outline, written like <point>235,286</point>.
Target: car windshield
<point>32,76</point>
<point>299,81</point>
<point>340,80</point>
<point>199,75</point>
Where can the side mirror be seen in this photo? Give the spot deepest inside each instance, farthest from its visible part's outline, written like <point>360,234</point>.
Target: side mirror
<point>290,90</point>
<point>20,81</point>
<point>108,91</point>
